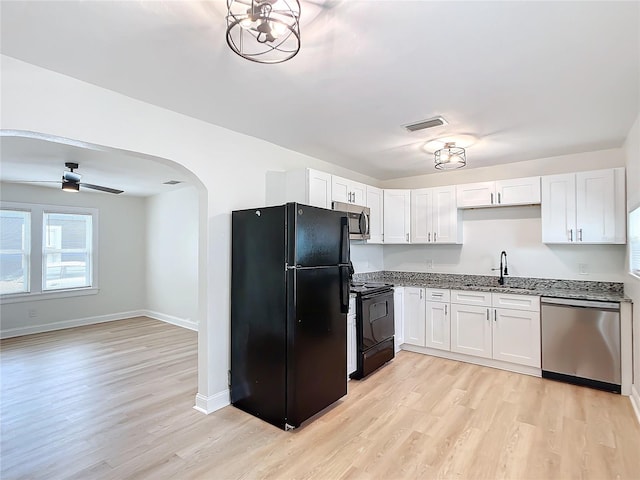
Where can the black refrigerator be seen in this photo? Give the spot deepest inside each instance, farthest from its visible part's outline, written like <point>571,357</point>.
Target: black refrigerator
<point>289,299</point>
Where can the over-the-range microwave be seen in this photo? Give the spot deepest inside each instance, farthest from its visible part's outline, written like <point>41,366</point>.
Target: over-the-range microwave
<point>358,219</point>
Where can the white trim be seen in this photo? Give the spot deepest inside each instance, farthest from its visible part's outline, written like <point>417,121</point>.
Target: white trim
<point>78,322</point>
<point>210,404</point>
<point>635,401</point>
<point>485,362</point>
<point>180,322</point>
<point>48,295</point>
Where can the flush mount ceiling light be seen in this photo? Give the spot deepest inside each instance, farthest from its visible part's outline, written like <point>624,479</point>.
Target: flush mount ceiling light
<point>264,31</point>
<point>450,157</point>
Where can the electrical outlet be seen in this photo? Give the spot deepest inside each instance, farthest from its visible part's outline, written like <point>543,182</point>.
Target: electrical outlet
<point>430,264</point>
<point>583,269</point>
<point>32,312</point>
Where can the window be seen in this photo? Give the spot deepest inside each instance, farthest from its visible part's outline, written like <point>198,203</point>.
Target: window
<point>46,251</point>
<point>15,248</point>
<point>634,242</point>
<point>66,255</point>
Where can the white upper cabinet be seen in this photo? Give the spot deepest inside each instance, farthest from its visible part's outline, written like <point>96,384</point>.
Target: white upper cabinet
<point>434,216</point>
<point>515,191</point>
<point>375,202</point>
<point>347,191</point>
<point>397,216</point>
<point>307,186</point>
<point>584,207</point>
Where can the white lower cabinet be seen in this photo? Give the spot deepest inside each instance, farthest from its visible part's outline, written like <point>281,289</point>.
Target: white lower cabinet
<point>437,324</point>
<point>352,341</point>
<point>471,330</point>
<point>414,316</point>
<point>488,331</point>
<point>516,331</point>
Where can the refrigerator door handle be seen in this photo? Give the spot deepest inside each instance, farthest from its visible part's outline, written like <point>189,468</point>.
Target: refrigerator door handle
<point>344,242</point>
<point>344,289</point>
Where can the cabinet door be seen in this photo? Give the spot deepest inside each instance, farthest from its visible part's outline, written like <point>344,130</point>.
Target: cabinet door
<point>595,206</point>
<point>318,189</point>
<point>558,210</point>
<point>375,204</point>
<point>340,189</point>
<point>438,332</point>
<point>471,330</point>
<point>398,316</point>
<point>518,191</point>
<point>397,216</point>
<point>414,316</point>
<point>421,204</point>
<point>516,336</point>
<point>475,194</point>
<point>444,216</point>
<point>358,193</point>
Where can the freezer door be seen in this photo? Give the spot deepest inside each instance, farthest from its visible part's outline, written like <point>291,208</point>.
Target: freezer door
<point>317,343</point>
<point>317,237</point>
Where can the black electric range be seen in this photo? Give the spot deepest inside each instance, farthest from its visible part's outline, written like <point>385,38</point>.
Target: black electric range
<point>374,326</point>
<point>367,288</point>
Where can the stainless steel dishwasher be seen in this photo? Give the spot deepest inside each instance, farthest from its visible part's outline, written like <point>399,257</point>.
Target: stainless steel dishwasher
<point>581,342</point>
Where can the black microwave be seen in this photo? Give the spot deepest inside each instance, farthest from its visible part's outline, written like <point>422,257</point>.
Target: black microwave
<point>358,219</point>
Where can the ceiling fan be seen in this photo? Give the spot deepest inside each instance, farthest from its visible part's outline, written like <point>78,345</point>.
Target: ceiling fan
<point>71,181</point>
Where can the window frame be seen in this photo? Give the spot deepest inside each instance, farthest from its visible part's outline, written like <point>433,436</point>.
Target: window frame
<point>36,289</point>
<point>25,252</point>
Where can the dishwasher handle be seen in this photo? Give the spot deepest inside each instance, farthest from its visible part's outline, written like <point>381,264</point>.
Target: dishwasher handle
<point>572,302</point>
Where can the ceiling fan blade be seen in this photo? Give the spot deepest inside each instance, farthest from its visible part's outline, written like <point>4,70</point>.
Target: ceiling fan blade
<point>100,188</point>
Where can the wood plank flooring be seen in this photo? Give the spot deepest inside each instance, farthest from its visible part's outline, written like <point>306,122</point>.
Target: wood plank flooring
<point>114,401</point>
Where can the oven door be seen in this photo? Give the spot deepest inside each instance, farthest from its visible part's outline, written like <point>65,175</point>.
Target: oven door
<point>377,319</point>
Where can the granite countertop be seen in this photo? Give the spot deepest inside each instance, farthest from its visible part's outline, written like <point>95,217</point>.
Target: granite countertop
<point>580,290</point>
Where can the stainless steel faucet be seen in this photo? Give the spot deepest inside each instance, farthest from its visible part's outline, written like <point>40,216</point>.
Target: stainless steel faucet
<point>503,267</point>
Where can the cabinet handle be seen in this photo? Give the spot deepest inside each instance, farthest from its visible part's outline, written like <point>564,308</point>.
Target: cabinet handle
<point>492,199</point>
<point>487,314</point>
<point>435,239</point>
<point>445,308</point>
<point>579,234</point>
<point>499,197</point>
<point>420,294</point>
<point>571,234</point>
<point>407,237</point>
<point>495,315</point>
<point>429,237</point>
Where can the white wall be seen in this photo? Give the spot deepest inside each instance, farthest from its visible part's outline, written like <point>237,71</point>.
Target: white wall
<point>121,246</point>
<point>578,162</point>
<point>172,256</point>
<point>632,284</point>
<point>231,166</point>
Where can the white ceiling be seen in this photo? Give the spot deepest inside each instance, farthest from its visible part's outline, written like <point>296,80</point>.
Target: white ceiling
<point>528,79</point>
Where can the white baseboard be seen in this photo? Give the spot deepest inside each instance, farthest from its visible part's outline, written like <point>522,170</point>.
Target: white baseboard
<point>210,404</point>
<point>635,401</point>
<point>180,322</point>
<point>78,322</point>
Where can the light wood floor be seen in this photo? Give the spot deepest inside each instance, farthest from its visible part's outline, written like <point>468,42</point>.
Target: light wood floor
<point>115,401</point>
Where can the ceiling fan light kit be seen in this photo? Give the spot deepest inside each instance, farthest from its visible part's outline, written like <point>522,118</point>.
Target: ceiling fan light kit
<point>450,157</point>
<point>69,186</point>
<point>264,31</point>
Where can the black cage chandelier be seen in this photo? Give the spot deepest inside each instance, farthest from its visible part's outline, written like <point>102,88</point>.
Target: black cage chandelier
<point>264,31</point>
<point>450,157</point>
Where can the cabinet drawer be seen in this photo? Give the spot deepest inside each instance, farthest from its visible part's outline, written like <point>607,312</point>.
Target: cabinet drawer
<point>470,297</point>
<point>438,295</point>
<point>516,302</point>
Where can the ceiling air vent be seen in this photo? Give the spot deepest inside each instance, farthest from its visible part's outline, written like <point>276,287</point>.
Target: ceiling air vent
<point>172,182</point>
<point>432,122</point>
